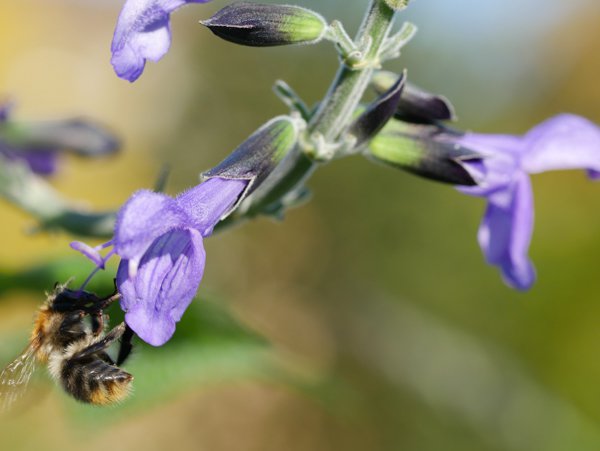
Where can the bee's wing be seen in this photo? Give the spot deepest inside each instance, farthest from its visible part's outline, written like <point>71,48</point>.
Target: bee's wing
<point>15,377</point>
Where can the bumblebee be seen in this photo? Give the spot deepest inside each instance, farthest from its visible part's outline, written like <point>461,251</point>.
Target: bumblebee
<point>69,337</point>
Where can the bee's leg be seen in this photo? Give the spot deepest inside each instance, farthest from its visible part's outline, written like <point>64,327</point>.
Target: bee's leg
<point>104,303</point>
<point>102,344</point>
<point>97,310</point>
<point>97,322</point>
<point>125,348</point>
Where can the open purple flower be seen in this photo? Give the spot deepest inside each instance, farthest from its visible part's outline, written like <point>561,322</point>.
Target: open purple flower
<point>562,142</point>
<point>159,238</point>
<point>160,242</point>
<point>142,32</point>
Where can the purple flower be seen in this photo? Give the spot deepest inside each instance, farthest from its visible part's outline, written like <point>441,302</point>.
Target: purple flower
<point>41,162</point>
<point>142,32</point>
<point>160,242</point>
<point>562,142</point>
<point>38,144</point>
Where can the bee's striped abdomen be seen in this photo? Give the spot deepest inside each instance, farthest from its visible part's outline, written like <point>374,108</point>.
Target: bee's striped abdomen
<point>92,380</point>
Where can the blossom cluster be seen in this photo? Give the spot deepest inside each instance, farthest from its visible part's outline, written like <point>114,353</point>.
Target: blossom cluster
<point>159,238</point>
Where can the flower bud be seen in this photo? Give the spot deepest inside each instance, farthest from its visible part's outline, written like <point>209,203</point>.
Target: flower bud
<point>80,136</point>
<point>416,105</point>
<point>261,25</point>
<point>369,123</point>
<point>256,157</point>
<point>425,150</point>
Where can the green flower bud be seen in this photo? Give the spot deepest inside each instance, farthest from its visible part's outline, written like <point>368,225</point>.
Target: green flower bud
<point>260,25</point>
<point>424,150</point>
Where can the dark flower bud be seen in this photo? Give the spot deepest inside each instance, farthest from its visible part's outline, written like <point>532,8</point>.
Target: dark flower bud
<point>39,144</point>
<point>260,25</point>
<point>256,157</point>
<point>425,150</point>
<point>416,105</point>
<point>80,136</point>
<point>377,114</point>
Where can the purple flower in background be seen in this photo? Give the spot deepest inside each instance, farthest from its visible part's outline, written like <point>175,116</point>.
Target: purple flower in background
<point>38,144</point>
<point>159,240</point>
<point>142,32</point>
<point>40,161</point>
<point>562,142</point>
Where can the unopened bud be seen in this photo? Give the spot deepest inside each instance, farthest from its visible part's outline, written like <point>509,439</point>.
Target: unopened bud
<point>80,136</point>
<point>260,25</point>
<point>378,113</point>
<point>416,105</point>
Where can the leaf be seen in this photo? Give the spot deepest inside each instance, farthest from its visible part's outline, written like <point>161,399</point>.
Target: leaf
<point>34,195</point>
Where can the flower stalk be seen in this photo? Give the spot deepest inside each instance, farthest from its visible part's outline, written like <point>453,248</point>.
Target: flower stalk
<point>334,115</point>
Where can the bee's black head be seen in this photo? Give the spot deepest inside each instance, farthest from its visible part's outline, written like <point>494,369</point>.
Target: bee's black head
<point>66,300</point>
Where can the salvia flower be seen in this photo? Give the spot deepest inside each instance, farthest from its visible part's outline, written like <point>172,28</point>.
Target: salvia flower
<point>142,33</point>
<point>562,142</point>
<point>160,241</point>
<point>38,144</point>
<point>160,238</point>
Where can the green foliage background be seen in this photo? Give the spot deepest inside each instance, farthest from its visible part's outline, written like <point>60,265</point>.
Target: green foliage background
<point>366,320</point>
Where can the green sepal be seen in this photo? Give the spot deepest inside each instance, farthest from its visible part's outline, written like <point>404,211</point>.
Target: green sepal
<point>428,151</point>
<point>260,154</point>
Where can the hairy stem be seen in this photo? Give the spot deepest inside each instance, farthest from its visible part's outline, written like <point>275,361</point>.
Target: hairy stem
<point>333,116</point>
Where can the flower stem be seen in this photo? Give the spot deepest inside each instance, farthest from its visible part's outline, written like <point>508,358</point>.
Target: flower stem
<point>333,115</point>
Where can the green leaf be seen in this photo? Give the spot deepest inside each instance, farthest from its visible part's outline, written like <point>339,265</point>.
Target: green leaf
<point>34,195</point>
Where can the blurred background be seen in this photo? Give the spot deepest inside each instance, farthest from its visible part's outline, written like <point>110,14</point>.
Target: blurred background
<point>368,319</point>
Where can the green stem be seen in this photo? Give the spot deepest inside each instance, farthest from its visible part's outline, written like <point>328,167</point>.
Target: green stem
<point>349,85</point>
<point>332,117</point>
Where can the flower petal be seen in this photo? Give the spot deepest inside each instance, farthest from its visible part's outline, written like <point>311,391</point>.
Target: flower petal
<point>562,142</point>
<point>208,202</point>
<point>142,32</point>
<point>166,282</point>
<point>505,232</point>
<point>499,164</point>
<point>593,175</point>
<point>145,217</point>
<point>41,162</point>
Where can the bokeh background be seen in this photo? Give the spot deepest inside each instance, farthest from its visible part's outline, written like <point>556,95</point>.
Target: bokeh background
<point>367,320</point>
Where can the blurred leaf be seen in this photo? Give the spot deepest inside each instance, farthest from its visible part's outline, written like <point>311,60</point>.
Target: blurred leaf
<point>34,195</point>
<point>210,346</point>
<point>41,277</point>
